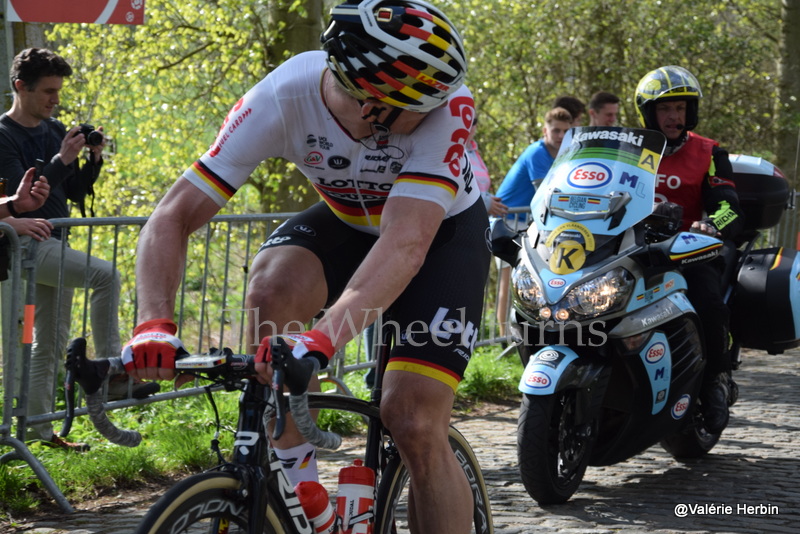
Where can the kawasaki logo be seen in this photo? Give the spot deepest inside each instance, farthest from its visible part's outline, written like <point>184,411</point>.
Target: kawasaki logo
<point>623,137</point>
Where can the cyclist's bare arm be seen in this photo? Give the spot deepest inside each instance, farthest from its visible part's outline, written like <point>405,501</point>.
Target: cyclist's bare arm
<point>408,227</point>
<point>161,252</point>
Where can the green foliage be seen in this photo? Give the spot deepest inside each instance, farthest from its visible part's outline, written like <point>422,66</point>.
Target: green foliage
<point>489,378</point>
<point>162,90</point>
<point>548,48</point>
<point>177,436</point>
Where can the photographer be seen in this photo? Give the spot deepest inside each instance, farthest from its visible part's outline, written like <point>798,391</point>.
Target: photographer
<point>30,136</point>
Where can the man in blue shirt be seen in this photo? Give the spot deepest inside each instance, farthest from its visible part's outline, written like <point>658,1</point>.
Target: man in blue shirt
<point>519,185</point>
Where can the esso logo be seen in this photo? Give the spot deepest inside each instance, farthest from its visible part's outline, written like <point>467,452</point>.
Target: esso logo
<point>537,379</point>
<point>557,282</point>
<point>681,407</point>
<point>589,176</point>
<point>655,352</point>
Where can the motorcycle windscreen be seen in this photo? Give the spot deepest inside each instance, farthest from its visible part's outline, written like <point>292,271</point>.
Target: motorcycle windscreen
<point>601,183</point>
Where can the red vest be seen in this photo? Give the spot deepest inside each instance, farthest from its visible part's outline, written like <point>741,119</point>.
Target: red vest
<point>680,177</point>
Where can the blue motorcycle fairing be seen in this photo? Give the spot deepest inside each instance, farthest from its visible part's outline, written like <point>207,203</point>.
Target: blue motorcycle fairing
<point>688,248</point>
<point>552,368</point>
<point>600,185</point>
<point>657,361</point>
<point>653,315</point>
<point>672,282</point>
<point>794,294</point>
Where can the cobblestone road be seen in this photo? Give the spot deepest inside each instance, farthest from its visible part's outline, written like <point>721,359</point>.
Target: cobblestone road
<point>748,484</point>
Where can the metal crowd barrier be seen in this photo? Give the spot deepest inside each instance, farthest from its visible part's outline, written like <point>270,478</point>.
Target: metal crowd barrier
<point>210,311</point>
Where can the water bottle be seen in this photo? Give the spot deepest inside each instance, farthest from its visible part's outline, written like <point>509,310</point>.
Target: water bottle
<point>356,498</point>
<point>317,507</point>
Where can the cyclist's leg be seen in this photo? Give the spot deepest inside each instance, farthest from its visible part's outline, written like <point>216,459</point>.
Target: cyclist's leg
<point>303,264</point>
<point>416,409</point>
<point>427,364</point>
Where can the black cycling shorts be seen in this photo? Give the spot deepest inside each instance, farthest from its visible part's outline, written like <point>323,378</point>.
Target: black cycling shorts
<point>437,317</point>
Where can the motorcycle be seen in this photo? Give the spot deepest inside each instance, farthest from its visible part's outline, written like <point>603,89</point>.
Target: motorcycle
<point>613,349</point>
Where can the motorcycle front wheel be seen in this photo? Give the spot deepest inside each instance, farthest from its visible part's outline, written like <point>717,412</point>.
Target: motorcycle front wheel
<point>553,452</point>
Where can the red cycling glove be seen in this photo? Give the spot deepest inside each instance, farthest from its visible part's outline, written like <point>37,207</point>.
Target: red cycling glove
<point>153,345</point>
<point>311,343</point>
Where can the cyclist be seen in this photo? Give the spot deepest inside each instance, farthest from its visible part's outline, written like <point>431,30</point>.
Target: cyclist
<point>377,122</point>
<point>696,174</point>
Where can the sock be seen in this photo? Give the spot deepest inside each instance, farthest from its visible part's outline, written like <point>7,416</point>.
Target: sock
<point>299,463</point>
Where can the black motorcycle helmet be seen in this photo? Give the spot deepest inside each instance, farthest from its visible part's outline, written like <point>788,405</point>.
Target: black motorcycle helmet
<point>665,84</point>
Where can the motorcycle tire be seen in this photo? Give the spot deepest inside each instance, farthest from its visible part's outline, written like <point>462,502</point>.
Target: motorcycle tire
<point>552,452</point>
<point>693,441</point>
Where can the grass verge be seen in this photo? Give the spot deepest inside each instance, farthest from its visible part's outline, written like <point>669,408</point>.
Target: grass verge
<point>177,433</point>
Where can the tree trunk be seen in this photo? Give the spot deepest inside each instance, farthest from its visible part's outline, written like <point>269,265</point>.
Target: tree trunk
<point>22,35</point>
<point>300,33</point>
<point>788,109</point>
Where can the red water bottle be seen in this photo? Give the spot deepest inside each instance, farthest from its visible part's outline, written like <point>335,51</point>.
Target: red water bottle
<point>317,507</point>
<point>356,498</point>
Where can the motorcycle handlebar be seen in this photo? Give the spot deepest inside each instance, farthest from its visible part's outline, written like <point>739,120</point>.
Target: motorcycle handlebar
<point>221,365</point>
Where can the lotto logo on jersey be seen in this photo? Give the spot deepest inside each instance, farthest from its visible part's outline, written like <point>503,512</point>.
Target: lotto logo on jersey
<point>589,176</point>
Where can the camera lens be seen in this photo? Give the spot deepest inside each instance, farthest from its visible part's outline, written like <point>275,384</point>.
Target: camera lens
<point>94,138</point>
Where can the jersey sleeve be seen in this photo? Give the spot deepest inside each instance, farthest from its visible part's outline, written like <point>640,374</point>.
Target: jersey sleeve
<point>437,169</point>
<point>252,131</point>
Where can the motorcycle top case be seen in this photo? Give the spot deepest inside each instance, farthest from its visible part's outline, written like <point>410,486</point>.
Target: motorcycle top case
<point>762,189</point>
<point>765,312</point>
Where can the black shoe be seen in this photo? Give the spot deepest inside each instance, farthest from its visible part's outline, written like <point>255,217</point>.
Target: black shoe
<point>714,402</point>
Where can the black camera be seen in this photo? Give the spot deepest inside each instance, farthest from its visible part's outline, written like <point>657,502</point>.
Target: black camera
<point>93,137</point>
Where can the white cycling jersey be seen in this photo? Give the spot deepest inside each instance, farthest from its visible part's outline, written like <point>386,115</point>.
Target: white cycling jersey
<point>285,116</point>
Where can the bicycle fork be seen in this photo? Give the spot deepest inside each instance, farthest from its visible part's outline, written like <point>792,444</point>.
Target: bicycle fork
<point>255,463</point>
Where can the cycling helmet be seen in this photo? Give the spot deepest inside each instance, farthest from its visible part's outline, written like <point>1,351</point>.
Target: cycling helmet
<point>664,84</point>
<point>404,53</point>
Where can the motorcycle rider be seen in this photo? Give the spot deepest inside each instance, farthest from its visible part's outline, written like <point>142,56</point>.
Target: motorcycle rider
<point>696,174</point>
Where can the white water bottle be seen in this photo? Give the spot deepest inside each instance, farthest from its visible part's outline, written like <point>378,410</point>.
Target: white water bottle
<point>317,507</point>
<point>355,501</point>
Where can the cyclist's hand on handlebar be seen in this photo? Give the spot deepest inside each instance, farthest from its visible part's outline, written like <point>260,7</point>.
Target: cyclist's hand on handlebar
<point>152,351</point>
<point>312,343</point>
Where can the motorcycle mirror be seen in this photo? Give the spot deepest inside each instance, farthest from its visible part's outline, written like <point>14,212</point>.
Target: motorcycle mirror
<point>504,241</point>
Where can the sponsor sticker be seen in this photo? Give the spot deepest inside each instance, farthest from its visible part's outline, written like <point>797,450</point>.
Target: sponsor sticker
<point>655,352</point>
<point>589,175</point>
<point>538,379</point>
<point>681,407</point>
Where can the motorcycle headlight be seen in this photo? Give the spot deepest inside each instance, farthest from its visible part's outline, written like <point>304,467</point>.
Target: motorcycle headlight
<point>605,294</point>
<point>527,295</point>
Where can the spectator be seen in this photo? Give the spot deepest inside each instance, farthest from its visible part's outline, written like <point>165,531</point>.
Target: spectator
<point>494,207</point>
<point>603,109</point>
<point>28,132</point>
<point>31,195</point>
<point>701,181</point>
<point>519,185</point>
<point>574,105</point>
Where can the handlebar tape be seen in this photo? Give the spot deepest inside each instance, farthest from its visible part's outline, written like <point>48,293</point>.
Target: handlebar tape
<point>298,404</point>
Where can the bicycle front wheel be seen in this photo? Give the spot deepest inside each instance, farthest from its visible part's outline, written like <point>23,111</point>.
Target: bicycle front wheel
<point>391,504</point>
<point>205,503</point>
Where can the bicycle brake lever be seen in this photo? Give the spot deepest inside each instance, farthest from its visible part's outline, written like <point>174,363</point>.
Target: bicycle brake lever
<point>90,374</point>
<point>280,403</point>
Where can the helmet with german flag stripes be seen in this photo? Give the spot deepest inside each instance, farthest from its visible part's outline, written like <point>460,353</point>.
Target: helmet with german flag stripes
<point>405,53</point>
<point>665,84</point>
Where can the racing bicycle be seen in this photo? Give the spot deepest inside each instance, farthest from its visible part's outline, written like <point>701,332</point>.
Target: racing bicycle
<point>250,493</point>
